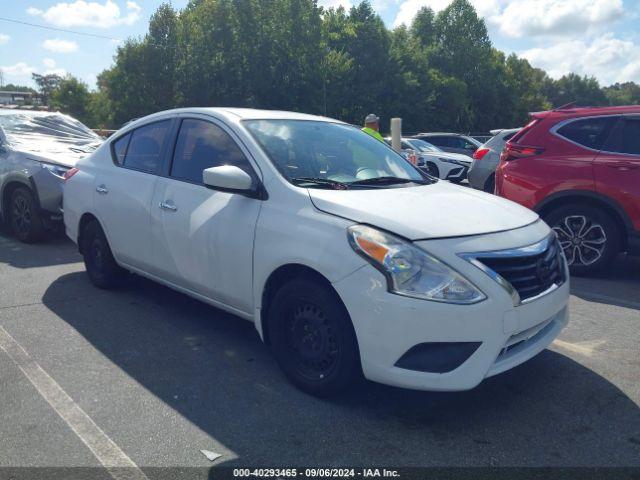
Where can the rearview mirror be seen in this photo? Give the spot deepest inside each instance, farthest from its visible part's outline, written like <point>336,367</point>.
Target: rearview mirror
<point>228,178</point>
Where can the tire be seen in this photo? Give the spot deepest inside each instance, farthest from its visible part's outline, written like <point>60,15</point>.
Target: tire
<point>24,216</point>
<point>101,267</point>
<point>432,169</point>
<point>589,237</point>
<point>490,184</point>
<point>312,338</point>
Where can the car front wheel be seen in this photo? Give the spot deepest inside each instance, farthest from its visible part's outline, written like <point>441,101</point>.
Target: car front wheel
<point>24,216</point>
<point>432,170</point>
<point>589,238</point>
<point>312,338</point>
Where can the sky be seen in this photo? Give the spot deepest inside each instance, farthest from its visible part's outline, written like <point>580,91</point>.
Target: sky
<point>589,37</point>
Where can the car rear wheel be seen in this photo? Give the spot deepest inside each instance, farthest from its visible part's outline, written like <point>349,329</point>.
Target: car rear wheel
<point>312,338</point>
<point>589,238</point>
<point>490,184</point>
<point>24,216</point>
<point>101,267</point>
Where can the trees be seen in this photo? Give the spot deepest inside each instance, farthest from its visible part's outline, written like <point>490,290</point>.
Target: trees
<point>439,73</point>
<point>72,96</point>
<point>623,93</point>
<point>46,84</point>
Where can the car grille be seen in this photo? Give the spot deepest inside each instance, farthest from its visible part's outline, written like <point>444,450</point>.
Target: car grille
<point>530,271</point>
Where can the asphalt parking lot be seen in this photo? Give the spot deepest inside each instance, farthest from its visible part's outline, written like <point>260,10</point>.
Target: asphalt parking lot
<point>164,376</point>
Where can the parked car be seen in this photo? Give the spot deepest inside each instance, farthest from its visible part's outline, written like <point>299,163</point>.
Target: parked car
<point>482,173</point>
<point>36,150</point>
<point>437,163</point>
<point>580,169</point>
<point>451,142</point>
<point>346,257</point>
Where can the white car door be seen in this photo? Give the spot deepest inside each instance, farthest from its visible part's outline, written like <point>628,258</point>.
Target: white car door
<point>124,190</point>
<point>203,238</point>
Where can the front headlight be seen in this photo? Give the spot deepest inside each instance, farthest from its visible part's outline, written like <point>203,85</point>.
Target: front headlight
<point>56,170</point>
<point>411,271</point>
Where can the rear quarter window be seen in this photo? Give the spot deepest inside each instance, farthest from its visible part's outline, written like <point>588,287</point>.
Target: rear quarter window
<point>589,132</point>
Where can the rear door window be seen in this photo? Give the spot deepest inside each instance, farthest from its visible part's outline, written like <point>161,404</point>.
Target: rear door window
<point>589,132</point>
<point>438,141</point>
<point>625,138</point>
<point>145,147</point>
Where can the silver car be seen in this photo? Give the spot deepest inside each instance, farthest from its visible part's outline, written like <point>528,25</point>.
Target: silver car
<point>36,150</point>
<point>485,160</point>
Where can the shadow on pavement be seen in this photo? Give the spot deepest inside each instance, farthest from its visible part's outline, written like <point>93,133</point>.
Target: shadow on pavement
<point>618,285</point>
<point>55,249</point>
<point>212,368</point>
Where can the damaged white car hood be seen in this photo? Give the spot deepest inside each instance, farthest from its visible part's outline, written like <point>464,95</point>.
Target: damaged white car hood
<point>46,136</point>
<point>428,211</point>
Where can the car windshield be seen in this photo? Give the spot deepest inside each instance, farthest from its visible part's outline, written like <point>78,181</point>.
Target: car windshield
<point>423,146</point>
<point>331,155</point>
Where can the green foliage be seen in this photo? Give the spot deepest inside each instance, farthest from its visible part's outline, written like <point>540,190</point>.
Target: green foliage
<point>574,88</point>
<point>440,73</point>
<point>623,94</point>
<point>71,96</point>
<point>46,84</point>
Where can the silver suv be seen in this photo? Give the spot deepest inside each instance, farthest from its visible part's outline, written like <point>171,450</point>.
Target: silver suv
<point>36,150</point>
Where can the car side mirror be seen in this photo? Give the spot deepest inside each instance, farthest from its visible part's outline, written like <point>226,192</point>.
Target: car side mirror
<point>229,178</point>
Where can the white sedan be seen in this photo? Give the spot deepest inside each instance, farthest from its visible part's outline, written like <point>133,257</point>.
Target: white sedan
<point>348,260</point>
<point>437,162</point>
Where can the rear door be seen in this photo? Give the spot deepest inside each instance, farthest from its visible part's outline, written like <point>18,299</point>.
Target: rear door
<point>203,238</point>
<point>124,190</point>
<point>617,167</point>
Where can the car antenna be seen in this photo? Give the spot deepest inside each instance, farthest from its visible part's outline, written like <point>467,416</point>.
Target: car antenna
<point>564,107</point>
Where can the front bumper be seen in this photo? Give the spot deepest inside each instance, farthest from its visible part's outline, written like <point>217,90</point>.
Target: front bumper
<point>387,326</point>
<point>49,189</point>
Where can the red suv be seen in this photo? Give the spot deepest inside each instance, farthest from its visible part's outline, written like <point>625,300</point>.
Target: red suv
<point>579,168</point>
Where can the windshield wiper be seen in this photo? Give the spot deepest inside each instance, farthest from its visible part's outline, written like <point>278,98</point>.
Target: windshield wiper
<point>322,181</point>
<point>386,181</point>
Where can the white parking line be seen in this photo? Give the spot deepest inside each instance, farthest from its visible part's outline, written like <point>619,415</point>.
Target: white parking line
<point>117,463</point>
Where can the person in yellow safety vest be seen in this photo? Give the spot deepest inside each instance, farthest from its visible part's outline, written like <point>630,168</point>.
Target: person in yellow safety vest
<point>372,126</point>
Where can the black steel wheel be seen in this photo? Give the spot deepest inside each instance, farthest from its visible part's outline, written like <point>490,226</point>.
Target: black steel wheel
<point>312,337</point>
<point>101,267</point>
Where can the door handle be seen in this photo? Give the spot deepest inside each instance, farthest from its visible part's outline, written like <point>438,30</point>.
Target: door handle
<point>102,189</point>
<point>168,206</point>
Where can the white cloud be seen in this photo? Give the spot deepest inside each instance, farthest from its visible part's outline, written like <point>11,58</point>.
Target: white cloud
<point>19,72</point>
<point>4,38</point>
<point>409,8</point>
<point>60,46</point>
<point>523,18</point>
<point>89,14</point>
<point>607,58</point>
<point>347,4</point>
<point>49,62</point>
<point>61,72</point>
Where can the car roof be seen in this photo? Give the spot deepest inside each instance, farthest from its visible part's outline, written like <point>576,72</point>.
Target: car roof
<point>570,112</point>
<point>238,114</point>
<point>431,134</point>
